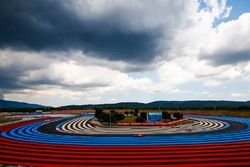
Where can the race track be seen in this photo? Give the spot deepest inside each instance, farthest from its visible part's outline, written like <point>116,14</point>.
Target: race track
<point>215,141</point>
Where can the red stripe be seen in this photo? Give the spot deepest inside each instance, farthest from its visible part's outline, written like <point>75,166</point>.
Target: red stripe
<point>131,156</point>
<point>104,152</point>
<point>118,161</point>
<point>41,154</point>
<point>144,165</point>
<point>124,148</point>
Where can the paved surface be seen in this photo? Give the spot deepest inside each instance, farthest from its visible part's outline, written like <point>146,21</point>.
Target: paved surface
<point>80,126</point>
<point>24,143</point>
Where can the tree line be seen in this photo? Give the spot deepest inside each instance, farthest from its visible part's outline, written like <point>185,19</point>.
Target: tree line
<point>113,116</point>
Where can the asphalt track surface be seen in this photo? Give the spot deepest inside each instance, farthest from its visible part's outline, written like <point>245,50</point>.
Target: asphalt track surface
<point>75,127</point>
<point>25,144</point>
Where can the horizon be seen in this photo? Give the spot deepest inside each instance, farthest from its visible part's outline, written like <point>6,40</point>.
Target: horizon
<point>58,53</point>
<point>240,101</point>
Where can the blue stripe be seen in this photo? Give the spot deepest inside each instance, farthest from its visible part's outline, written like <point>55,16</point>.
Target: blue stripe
<point>29,133</point>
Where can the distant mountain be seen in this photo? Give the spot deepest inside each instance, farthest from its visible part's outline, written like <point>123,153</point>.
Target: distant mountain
<point>198,104</point>
<point>193,104</point>
<point>15,104</point>
<point>116,105</point>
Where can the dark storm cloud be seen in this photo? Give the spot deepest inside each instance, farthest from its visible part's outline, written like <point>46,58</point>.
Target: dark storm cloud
<point>47,25</point>
<point>18,75</point>
<point>13,82</point>
<point>227,57</point>
<point>48,81</point>
<point>1,94</point>
<point>231,57</point>
<point>9,79</point>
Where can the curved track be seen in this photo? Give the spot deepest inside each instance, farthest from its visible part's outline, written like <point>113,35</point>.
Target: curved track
<point>83,127</point>
<point>74,125</point>
<point>221,145</point>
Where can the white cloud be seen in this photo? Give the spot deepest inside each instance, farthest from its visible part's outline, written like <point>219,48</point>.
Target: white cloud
<point>214,76</point>
<point>241,95</point>
<point>95,99</point>
<point>71,73</point>
<point>20,60</point>
<point>139,14</point>
<point>174,73</point>
<point>194,50</point>
<point>218,9</point>
<point>230,44</point>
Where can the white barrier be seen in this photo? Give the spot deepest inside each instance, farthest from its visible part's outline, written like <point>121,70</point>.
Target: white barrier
<point>150,123</point>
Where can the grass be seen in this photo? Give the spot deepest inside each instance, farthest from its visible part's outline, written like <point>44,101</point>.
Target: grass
<point>129,119</point>
<point>2,121</point>
<point>165,120</point>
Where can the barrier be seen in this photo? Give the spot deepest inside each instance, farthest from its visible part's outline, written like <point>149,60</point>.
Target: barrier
<point>150,123</point>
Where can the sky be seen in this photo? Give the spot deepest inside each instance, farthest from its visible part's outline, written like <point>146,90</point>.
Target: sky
<point>59,52</point>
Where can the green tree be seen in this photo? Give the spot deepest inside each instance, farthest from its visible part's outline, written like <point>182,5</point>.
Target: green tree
<point>178,115</point>
<point>136,111</point>
<point>139,119</point>
<point>119,116</point>
<point>165,115</point>
<point>105,117</point>
<point>144,115</point>
<point>99,113</point>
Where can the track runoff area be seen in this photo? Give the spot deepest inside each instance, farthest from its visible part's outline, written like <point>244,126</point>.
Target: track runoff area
<point>75,141</point>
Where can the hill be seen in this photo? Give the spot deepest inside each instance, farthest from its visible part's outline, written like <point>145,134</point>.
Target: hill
<point>15,104</point>
<point>194,104</point>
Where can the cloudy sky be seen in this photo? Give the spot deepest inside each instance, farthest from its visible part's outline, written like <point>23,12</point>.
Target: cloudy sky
<point>59,52</point>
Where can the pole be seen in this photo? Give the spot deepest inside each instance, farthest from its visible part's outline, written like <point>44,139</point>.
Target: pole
<point>110,119</point>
